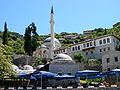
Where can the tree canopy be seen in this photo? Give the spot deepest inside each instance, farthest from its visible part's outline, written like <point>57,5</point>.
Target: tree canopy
<point>79,57</point>
<point>31,36</point>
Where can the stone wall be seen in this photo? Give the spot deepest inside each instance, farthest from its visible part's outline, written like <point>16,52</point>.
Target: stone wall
<point>21,60</point>
<point>112,64</point>
<point>64,67</point>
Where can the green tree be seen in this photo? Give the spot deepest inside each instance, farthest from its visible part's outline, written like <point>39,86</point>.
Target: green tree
<point>5,34</point>
<point>27,42</point>
<point>79,57</point>
<point>5,66</point>
<point>40,61</point>
<point>105,32</point>
<point>31,36</point>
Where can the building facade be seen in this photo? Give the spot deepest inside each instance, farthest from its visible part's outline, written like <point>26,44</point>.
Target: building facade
<point>98,48</point>
<point>111,60</point>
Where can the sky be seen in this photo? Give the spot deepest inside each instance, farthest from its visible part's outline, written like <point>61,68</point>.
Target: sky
<point>70,15</point>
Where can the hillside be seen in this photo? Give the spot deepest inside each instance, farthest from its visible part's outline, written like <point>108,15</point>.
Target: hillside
<point>16,41</point>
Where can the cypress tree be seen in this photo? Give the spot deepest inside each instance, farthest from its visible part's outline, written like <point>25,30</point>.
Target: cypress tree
<point>5,34</point>
<point>30,43</point>
<point>27,42</point>
<point>105,32</point>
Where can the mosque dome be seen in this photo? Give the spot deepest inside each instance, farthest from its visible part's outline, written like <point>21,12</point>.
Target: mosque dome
<point>40,66</point>
<point>47,43</point>
<point>63,57</point>
<point>27,67</point>
<point>49,40</point>
<point>15,68</point>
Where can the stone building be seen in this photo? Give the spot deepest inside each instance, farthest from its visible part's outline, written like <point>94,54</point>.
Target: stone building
<point>96,48</point>
<point>63,64</point>
<point>111,60</point>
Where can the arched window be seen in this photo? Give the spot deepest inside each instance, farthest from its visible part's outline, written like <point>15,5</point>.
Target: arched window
<point>108,40</point>
<point>90,43</point>
<point>78,47</point>
<point>100,42</point>
<point>84,45</point>
<point>87,44</point>
<point>104,41</point>
<point>73,48</point>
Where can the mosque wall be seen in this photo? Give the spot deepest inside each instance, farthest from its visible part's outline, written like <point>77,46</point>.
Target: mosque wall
<point>64,67</point>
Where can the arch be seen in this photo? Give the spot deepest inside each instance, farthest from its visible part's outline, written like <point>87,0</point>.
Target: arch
<point>108,40</point>
<point>100,42</point>
<point>104,41</point>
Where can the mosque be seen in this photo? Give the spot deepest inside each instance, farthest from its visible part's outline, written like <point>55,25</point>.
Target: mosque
<point>59,63</point>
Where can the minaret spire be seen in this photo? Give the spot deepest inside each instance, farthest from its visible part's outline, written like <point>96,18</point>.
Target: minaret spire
<point>52,44</point>
<point>52,9</point>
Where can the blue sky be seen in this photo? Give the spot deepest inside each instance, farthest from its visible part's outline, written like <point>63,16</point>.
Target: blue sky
<point>70,15</point>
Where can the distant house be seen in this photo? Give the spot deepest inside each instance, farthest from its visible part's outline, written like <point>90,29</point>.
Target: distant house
<point>70,37</point>
<point>88,32</point>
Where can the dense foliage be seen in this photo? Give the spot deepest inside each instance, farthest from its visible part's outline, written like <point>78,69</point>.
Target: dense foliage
<point>40,61</point>
<point>5,66</point>
<point>31,36</point>
<point>79,57</point>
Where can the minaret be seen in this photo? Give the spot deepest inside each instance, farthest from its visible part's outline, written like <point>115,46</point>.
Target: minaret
<point>52,44</point>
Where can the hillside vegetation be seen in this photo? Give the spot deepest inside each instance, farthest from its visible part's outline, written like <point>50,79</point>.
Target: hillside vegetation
<point>16,41</point>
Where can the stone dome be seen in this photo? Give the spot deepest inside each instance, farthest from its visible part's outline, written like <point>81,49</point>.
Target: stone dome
<point>27,67</point>
<point>49,40</point>
<point>62,57</point>
<point>47,43</point>
<point>40,66</point>
<point>15,68</point>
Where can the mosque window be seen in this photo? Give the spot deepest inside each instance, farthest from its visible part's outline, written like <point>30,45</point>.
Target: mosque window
<point>100,42</point>
<point>84,45</point>
<point>108,60</point>
<point>108,40</point>
<point>78,47</point>
<point>90,43</point>
<point>87,44</point>
<point>116,59</point>
<point>104,41</point>
<point>73,48</point>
